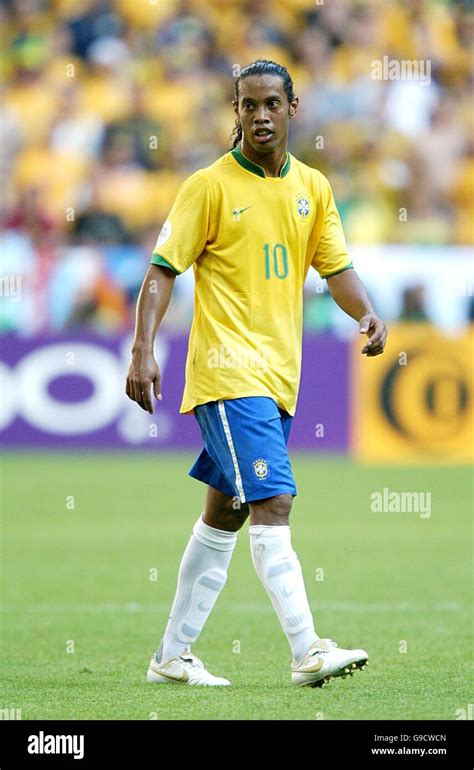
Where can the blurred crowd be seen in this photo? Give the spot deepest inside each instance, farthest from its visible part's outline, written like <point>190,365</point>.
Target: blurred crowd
<point>108,105</point>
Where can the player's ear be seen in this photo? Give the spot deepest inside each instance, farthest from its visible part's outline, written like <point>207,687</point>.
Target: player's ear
<point>294,104</point>
<point>235,105</point>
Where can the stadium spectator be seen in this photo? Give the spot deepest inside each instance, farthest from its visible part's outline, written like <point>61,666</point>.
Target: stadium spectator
<point>109,107</point>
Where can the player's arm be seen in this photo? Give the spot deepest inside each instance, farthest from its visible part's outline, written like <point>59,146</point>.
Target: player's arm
<point>153,301</point>
<point>349,292</point>
<point>182,240</point>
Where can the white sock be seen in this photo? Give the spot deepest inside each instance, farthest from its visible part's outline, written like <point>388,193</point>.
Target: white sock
<point>279,569</point>
<point>202,576</point>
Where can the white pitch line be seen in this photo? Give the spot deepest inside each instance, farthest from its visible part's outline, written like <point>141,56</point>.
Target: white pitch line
<point>247,607</point>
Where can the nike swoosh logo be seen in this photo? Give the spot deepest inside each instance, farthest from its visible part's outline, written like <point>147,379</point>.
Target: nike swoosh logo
<point>311,669</point>
<point>203,607</point>
<point>237,212</point>
<point>183,677</point>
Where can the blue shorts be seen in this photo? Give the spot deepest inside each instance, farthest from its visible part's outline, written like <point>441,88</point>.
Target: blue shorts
<point>245,448</point>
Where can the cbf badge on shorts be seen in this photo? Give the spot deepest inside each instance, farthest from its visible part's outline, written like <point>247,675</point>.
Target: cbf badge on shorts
<point>260,468</point>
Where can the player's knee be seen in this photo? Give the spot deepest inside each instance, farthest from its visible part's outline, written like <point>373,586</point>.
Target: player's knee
<point>273,511</point>
<point>281,505</point>
<point>236,506</point>
<point>229,515</point>
<point>235,515</point>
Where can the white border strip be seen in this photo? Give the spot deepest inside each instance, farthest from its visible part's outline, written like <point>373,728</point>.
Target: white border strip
<point>228,435</point>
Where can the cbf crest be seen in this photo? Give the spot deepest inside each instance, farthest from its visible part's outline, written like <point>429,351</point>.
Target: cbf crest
<point>303,206</point>
<point>260,467</point>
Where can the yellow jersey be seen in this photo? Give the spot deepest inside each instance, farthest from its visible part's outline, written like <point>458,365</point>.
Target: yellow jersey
<point>251,240</point>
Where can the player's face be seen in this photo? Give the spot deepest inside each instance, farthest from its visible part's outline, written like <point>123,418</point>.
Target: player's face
<point>264,111</point>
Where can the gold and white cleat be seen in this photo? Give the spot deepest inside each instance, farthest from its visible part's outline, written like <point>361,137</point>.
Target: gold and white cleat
<point>325,660</point>
<point>184,669</point>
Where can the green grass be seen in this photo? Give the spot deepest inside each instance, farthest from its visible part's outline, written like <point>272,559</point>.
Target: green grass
<point>83,575</point>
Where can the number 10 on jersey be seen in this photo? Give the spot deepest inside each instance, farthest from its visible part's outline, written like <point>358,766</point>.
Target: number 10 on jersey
<point>276,260</point>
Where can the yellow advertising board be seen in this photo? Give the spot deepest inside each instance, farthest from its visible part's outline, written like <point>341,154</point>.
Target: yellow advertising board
<point>414,403</point>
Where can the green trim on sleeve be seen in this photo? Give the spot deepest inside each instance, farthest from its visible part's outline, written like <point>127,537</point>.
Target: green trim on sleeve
<point>336,272</point>
<point>157,259</point>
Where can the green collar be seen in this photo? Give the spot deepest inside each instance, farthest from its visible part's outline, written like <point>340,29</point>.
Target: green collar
<point>243,161</point>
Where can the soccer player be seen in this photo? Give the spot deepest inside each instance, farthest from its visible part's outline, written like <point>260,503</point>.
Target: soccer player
<point>251,225</point>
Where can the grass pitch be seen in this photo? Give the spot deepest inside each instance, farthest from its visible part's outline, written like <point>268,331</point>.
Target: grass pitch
<point>82,536</point>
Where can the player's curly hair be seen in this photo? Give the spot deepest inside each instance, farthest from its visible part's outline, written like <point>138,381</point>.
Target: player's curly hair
<point>260,67</point>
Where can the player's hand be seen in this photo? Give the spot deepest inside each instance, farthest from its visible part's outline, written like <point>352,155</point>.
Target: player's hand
<point>376,331</point>
<point>142,374</point>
